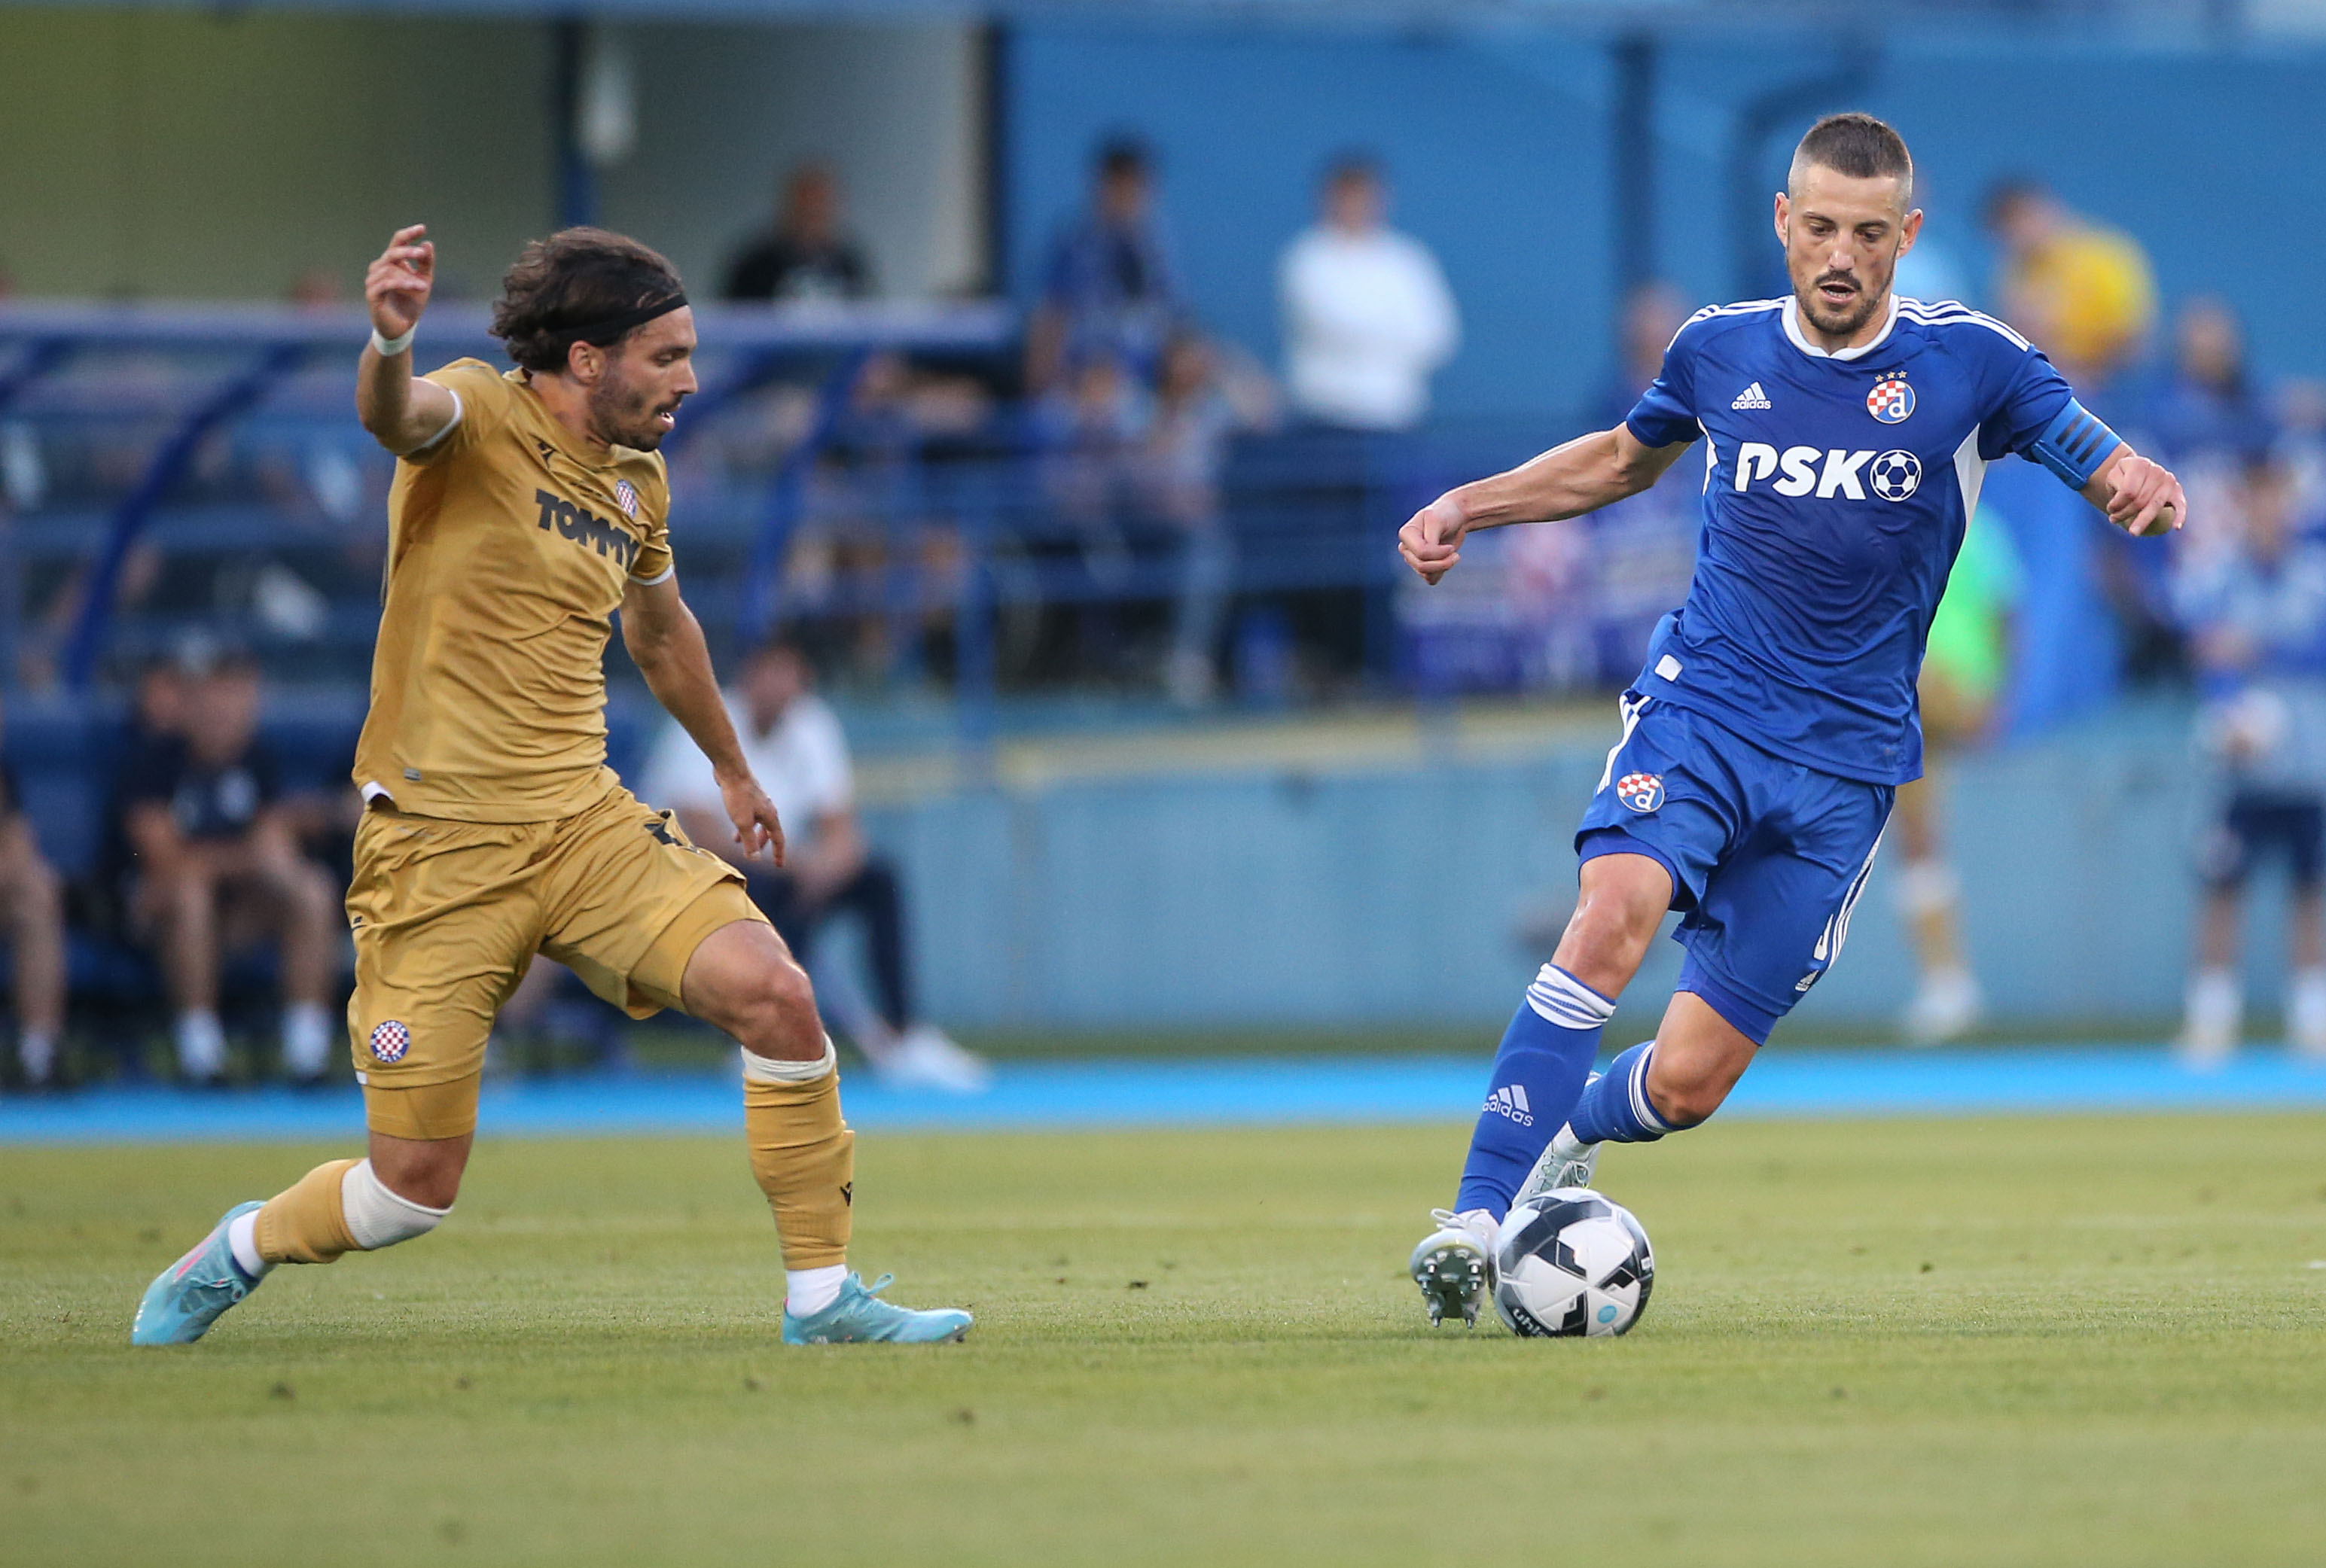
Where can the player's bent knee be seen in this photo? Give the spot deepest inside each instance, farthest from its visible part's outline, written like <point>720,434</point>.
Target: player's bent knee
<point>779,1010</point>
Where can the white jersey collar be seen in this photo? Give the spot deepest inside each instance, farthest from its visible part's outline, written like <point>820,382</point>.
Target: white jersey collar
<point>1801,340</point>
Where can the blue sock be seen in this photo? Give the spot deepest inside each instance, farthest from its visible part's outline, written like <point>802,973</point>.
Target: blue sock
<point>1617,1110</point>
<point>1540,1068</point>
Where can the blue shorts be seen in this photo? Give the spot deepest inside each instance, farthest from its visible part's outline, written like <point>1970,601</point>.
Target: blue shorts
<point>1767,857</point>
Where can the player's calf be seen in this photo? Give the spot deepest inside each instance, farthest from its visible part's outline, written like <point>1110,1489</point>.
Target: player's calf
<point>1665,1085</point>
<point>337,1208</point>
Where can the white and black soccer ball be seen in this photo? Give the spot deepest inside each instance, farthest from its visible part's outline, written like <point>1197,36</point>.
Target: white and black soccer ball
<point>1895,475</point>
<point>1571,1262</point>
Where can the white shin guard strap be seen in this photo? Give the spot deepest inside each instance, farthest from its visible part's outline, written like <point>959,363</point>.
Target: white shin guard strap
<point>378,1218</point>
<point>770,1069</point>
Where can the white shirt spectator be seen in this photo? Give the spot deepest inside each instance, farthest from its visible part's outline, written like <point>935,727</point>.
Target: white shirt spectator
<point>1367,318</point>
<point>801,762</point>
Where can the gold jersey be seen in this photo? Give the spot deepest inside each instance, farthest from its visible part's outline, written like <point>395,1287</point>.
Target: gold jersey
<point>510,544</point>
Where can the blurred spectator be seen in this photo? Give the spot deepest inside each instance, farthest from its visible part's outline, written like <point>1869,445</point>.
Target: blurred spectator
<point>1967,658</point>
<point>1107,287</point>
<point>32,921</point>
<point>1204,398</point>
<point>2258,620</point>
<point>317,288</point>
<point>808,254</point>
<point>796,749</point>
<point>2206,401</point>
<point>1653,314</point>
<point>217,869</point>
<point>1367,317</point>
<point>1091,423</point>
<point>2082,292</point>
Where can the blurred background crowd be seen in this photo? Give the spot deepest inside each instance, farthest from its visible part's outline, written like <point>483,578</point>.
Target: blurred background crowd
<point>1066,487</point>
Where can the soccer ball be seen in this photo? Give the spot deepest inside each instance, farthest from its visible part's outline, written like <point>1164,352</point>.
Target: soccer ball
<point>1895,475</point>
<point>1571,1262</point>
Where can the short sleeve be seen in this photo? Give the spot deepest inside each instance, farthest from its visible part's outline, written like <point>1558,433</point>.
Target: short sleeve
<point>654,562</point>
<point>678,775</point>
<point>2028,395</point>
<point>485,398</point>
<point>832,786</point>
<point>1665,415</point>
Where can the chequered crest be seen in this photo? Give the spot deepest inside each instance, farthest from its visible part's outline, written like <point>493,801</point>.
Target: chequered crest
<point>1642,792</point>
<point>1890,401</point>
<point>390,1041</point>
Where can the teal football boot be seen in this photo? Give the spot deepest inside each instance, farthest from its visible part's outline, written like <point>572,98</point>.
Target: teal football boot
<point>194,1292</point>
<point>858,1314</point>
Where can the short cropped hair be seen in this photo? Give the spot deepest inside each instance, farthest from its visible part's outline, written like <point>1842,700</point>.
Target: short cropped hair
<point>1352,164</point>
<point>561,287</point>
<point>1859,146</point>
<point>1124,157</point>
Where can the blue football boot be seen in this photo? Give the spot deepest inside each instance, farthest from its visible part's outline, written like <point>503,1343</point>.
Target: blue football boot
<point>859,1314</point>
<point>194,1292</point>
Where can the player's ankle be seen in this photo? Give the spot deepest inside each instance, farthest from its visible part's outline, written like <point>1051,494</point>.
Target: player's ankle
<point>242,1240</point>
<point>808,1291</point>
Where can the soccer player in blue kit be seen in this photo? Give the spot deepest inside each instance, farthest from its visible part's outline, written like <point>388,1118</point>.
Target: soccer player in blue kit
<point>1846,434</point>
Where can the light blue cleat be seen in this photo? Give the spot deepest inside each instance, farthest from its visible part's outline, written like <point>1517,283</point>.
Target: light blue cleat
<point>194,1292</point>
<point>859,1314</point>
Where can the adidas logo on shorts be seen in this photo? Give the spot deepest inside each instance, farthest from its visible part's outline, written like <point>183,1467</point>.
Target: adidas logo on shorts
<point>1751,397</point>
<point>1510,1101</point>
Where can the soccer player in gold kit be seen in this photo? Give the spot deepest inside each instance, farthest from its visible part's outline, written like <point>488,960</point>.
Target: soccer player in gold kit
<point>529,507</point>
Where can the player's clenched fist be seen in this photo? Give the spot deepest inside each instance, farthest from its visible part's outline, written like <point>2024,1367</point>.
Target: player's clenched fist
<point>2147,497</point>
<point>396,285</point>
<point>1431,543</point>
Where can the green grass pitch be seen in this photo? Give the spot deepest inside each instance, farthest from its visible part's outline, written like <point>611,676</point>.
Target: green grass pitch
<point>2084,1340</point>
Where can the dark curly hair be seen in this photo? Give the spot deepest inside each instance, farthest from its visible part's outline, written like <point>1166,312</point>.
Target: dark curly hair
<point>562,286</point>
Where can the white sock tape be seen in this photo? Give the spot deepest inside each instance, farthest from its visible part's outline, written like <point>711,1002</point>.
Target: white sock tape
<point>378,1218</point>
<point>768,1070</point>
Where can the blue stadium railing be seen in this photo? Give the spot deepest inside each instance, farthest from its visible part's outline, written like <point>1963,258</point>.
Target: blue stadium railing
<point>161,437</point>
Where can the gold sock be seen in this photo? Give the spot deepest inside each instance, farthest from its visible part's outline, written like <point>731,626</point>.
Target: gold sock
<point>305,1223</point>
<point>804,1158</point>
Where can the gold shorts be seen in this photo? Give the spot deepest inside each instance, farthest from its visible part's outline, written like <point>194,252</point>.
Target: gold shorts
<point>448,916</point>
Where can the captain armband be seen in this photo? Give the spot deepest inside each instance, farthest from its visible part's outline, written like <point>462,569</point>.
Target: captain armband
<point>2075,445</point>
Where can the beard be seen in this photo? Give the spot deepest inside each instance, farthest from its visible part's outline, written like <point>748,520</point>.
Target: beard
<point>1838,320</point>
<point>628,415</point>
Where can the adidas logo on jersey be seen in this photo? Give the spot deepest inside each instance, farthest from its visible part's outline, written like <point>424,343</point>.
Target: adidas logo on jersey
<point>1510,1101</point>
<point>1751,397</point>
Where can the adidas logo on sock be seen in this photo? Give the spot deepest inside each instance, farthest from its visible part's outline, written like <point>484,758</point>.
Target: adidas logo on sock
<point>1510,1101</point>
<point>1751,397</point>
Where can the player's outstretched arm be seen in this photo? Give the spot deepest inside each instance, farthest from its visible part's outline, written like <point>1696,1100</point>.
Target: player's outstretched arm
<point>402,413</point>
<point>665,641</point>
<point>2139,497</point>
<point>1566,481</point>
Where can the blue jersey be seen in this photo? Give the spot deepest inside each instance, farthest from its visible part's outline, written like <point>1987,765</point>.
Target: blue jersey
<point>1837,488</point>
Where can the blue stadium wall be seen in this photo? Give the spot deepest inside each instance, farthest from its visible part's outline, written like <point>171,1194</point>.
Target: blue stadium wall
<point>1388,893</point>
<point>1499,150</point>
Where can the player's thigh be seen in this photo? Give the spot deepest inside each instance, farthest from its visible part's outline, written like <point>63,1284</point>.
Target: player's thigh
<point>1668,794</point>
<point>628,898</point>
<point>445,922</point>
<point>1776,912</point>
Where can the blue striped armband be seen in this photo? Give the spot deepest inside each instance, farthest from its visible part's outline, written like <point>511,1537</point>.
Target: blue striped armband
<point>2075,446</point>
